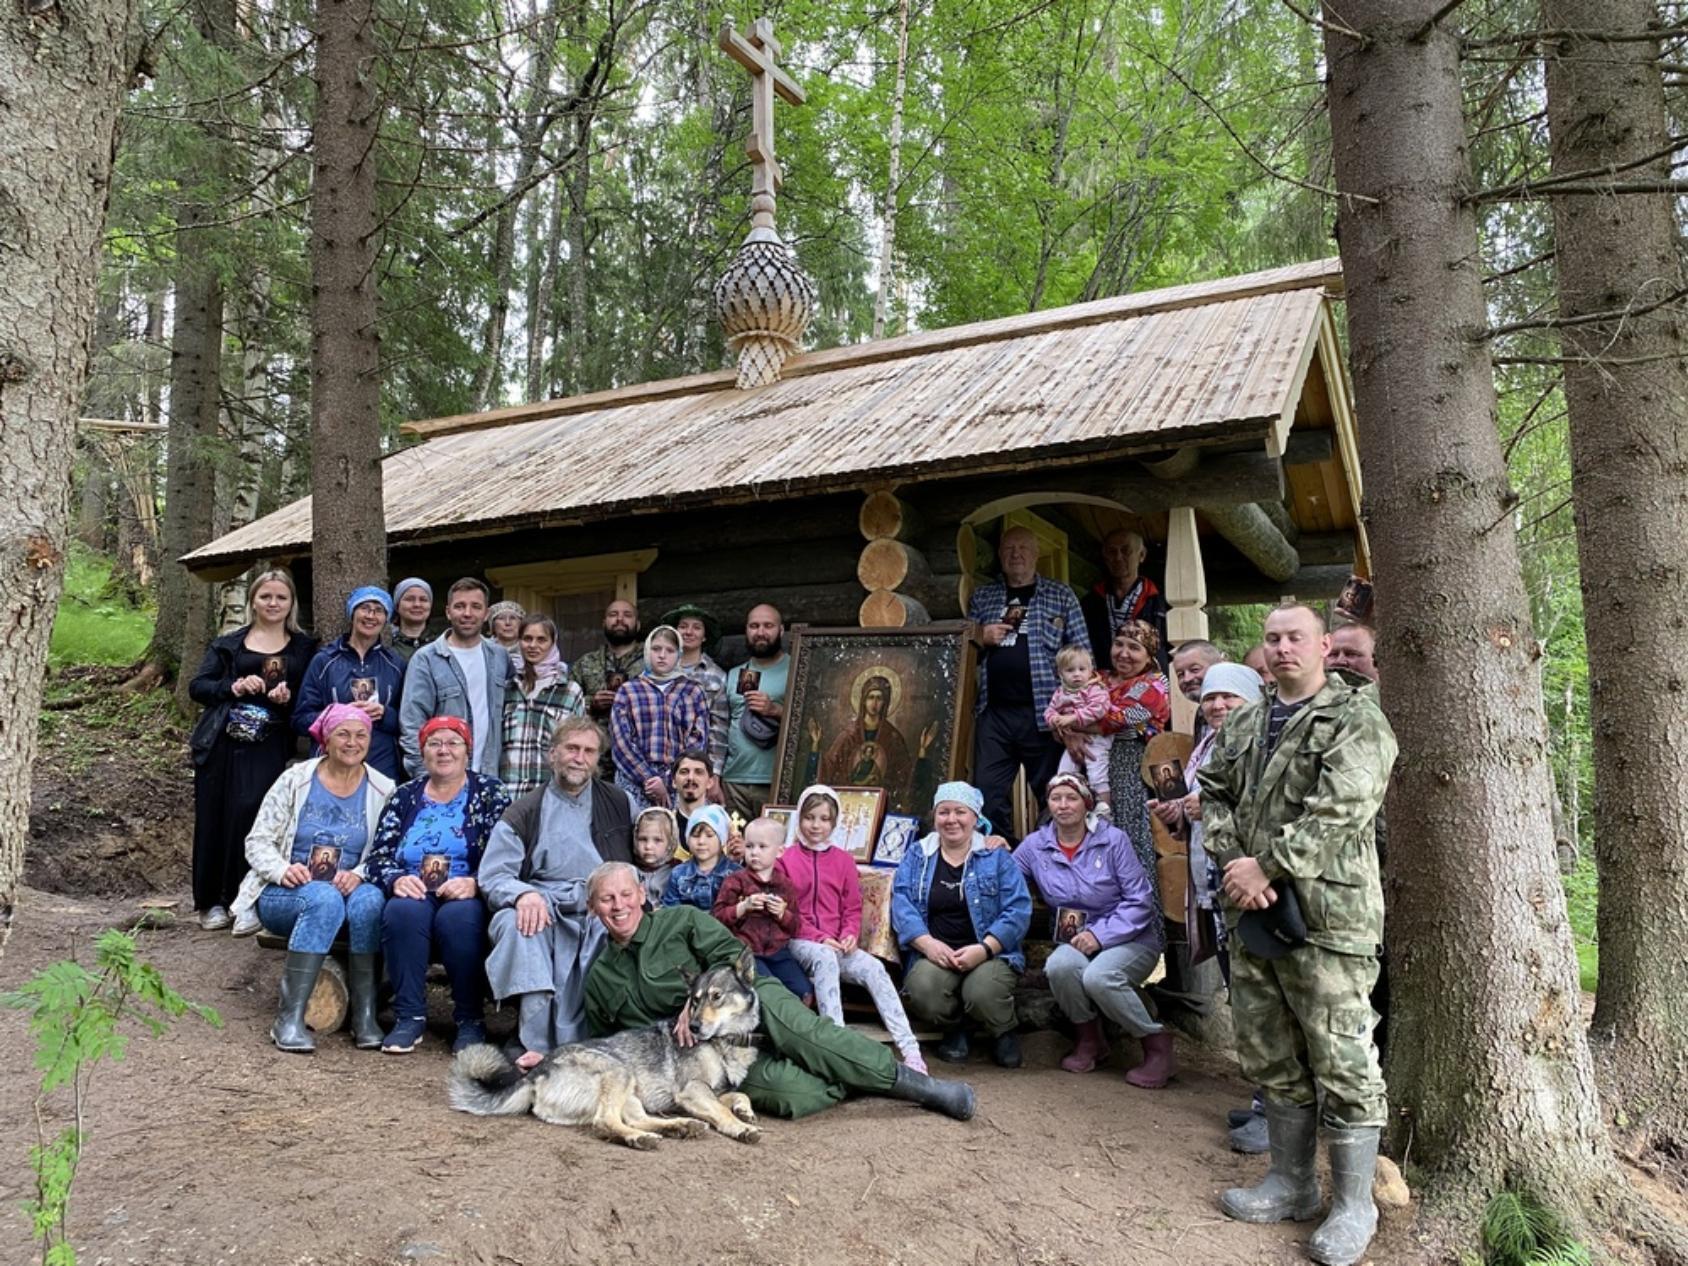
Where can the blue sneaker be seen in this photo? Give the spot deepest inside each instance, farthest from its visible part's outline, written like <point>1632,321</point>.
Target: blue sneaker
<point>469,1033</point>
<point>406,1036</point>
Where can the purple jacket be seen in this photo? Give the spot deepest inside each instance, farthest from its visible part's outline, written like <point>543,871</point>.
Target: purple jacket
<point>1104,879</point>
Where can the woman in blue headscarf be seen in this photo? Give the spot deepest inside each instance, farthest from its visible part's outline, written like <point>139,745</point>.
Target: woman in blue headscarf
<point>960,909</point>
<point>360,670</point>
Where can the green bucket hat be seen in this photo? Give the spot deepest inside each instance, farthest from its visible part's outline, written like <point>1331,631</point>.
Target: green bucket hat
<point>711,626</point>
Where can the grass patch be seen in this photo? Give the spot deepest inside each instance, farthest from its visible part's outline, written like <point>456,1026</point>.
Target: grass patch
<point>97,623</point>
<point>1582,899</point>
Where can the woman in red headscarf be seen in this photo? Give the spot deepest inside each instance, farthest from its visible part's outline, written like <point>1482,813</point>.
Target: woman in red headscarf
<point>426,854</point>
<point>1139,707</point>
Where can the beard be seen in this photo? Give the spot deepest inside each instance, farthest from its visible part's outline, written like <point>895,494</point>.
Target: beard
<point>620,637</point>
<point>765,647</point>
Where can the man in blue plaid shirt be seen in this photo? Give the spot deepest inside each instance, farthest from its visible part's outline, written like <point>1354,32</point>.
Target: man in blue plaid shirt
<point>1020,622</point>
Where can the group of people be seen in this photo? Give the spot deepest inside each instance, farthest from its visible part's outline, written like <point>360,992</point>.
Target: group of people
<point>541,829</point>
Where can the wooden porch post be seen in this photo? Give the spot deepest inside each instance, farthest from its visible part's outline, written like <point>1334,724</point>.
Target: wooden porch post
<point>1186,596</point>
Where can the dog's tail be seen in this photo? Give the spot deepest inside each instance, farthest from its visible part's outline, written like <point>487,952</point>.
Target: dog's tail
<point>484,1081</point>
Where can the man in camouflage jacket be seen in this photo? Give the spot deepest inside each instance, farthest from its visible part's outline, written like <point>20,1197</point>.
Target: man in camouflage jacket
<point>1290,794</point>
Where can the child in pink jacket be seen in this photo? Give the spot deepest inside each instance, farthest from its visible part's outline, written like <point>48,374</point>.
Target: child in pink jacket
<point>1081,699</point>
<point>829,911</point>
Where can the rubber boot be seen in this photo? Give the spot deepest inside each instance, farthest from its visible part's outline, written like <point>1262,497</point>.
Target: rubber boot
<point>1342,1238</point>
<point>298,978</point>
<point>952,1098</point>
<point>1250,1137</point>
<point>361,984</point>
<point>1158,1063</point>
<point>1290,1190</point>
<point>1091,1047</point>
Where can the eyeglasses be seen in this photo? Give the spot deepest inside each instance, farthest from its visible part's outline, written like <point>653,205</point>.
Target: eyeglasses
<point>435,744</point>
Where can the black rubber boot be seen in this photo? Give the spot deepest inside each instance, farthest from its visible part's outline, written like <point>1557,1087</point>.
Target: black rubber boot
<point>298,978</point>
<point>1005,1050</point>
<point>952,1098</point>
<point>363,985</point>
<point>1290,1190</point>
<point>955,1047</point>
<point>1342,1238</point>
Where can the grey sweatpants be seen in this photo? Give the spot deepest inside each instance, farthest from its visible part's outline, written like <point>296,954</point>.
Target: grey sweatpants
<point>1107,983</point>
<point>827,967</point>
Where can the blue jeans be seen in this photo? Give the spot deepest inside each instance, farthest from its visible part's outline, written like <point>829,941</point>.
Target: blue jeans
<point>415,930</point>
<point>311,915</point>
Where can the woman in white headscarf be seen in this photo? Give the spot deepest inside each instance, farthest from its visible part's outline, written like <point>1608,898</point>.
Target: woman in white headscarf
<point>655,717</point>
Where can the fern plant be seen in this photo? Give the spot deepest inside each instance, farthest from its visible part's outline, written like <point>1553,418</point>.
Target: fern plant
<point>1519,1230</point>
<point>78,1019</point>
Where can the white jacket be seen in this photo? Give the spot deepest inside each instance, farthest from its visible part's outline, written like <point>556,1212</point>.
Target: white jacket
<point>269,844</point>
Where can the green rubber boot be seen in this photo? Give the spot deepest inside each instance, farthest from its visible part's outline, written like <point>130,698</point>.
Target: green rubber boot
<point>298,978</point>
<point>1343,1237</point>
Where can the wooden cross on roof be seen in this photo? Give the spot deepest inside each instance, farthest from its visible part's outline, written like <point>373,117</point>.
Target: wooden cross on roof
<point>760,56</point>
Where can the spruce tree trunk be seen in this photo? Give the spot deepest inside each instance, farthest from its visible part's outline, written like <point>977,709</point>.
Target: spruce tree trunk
<point>348,523</point>
<point>1490,1076</point>
<point>1629,478</point>
<point>63,76</point>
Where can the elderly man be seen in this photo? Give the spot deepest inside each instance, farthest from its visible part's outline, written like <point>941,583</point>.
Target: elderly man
<point>1289,798</point>
<point>533,877</point>
<point>601,671</point>
<point>1354,647</point>
<point>1190,663</point>
<point>1020,621</point>
<point>1124,595</point>
<point>756,700</point>
<point>640,977</point>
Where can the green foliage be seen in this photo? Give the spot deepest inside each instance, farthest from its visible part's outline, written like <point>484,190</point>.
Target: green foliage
<point>1519,1230</point>
<point>97,622</point>
<point>78,1019</point>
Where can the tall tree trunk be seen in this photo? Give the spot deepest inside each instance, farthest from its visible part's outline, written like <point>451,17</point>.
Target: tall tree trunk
<point>348,523</point>
<point>1490,1075</point>
<point>196,348</point>
<point>579,187</point>
<point>183,628</point>
<point>893,178</point>
<point>491,375</point>
<point>63,76</point>
<point>1628,405</point>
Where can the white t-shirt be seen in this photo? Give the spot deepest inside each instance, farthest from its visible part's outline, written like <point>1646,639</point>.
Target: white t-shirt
<point>472,661</point>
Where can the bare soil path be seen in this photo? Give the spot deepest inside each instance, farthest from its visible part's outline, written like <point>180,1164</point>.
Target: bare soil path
<point>208,1146</point>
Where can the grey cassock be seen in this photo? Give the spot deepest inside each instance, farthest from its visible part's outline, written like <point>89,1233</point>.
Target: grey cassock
<point>554,960</point>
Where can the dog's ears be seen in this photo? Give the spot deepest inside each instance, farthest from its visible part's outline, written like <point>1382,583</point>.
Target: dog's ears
<point>746,967</point>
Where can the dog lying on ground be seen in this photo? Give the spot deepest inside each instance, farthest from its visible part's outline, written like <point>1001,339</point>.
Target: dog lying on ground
<point>625,1085</point>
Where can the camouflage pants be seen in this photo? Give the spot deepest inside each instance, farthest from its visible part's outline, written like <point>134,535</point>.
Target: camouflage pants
<point>1304,1024</point>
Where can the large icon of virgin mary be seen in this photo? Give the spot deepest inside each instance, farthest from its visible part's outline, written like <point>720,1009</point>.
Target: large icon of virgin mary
<point>871,752</point>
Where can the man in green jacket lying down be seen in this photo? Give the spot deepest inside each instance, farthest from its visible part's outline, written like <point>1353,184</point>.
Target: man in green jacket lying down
<point>808,1064</point>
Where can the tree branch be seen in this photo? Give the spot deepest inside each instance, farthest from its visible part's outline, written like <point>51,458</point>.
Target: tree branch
<point>1566,33</point>
<point>1550,182</point>
<point>1323,25</point>
<point>1531,191</point>
<point>1431,22</point>
<point>1587,318</point>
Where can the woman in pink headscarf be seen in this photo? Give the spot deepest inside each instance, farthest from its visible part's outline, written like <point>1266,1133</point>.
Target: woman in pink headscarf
<point>307,850</point>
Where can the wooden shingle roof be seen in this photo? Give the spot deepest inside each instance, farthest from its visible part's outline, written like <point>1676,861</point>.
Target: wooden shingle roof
<point>1212,362</point>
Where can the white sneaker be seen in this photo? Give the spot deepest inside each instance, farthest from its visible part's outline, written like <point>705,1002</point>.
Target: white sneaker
<point>248,924</point>
<point>215,919</point>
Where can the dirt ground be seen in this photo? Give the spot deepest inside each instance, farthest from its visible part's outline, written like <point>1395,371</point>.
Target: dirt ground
<point>208,1146</point>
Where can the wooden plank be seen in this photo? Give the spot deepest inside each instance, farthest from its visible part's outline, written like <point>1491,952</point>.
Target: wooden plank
<point>1306,447</point>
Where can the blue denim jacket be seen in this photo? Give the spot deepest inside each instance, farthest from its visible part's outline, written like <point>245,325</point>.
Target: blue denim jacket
<point>689,886</point>
<point>998,901</point>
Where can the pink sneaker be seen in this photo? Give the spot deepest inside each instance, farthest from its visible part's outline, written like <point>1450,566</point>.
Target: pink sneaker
<point>912,1060</point>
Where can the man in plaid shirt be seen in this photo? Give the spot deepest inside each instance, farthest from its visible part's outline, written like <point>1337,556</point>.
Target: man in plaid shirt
<point>1020,622</point>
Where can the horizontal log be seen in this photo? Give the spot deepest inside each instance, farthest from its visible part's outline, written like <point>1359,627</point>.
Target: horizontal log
<point>803,562</point>
<point>1280,516</point>
<point>885,516</point>
<point>831,603</point>
<point>1307,584</point>
<point>883,609</point>
<point>1252,531</point>
<point>1220,479</point>
<point>1319,548</point>
<point>886,564</point>
<point>1308,448</point>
